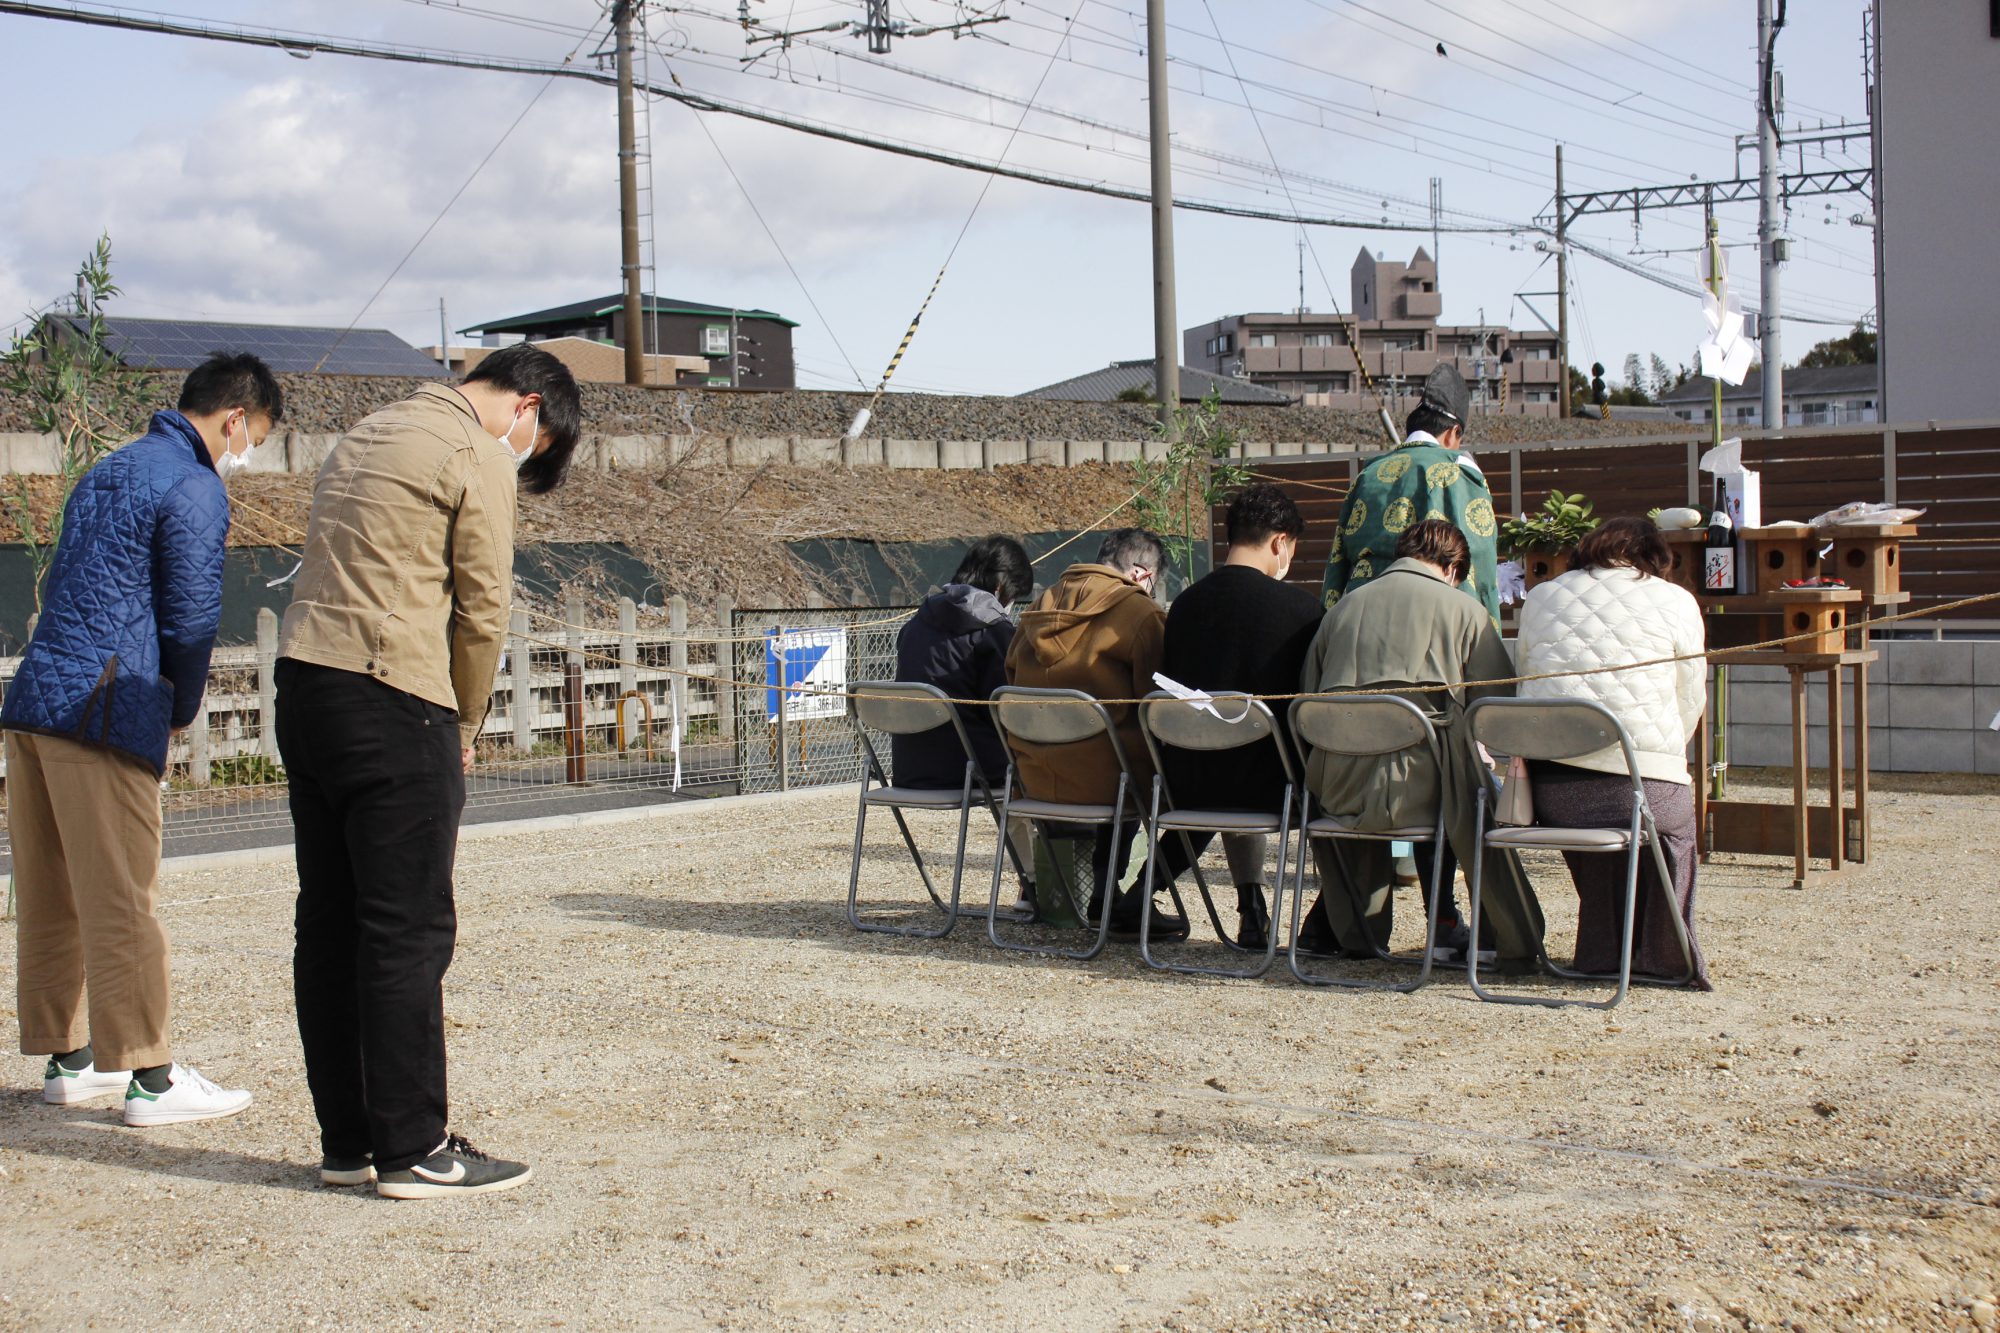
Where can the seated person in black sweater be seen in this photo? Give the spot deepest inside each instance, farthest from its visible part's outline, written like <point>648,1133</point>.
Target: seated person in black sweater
<point>1242,627</point>
<point>957,641</point>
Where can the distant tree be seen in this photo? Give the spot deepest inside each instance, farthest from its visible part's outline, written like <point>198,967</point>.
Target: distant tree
<point>1138,393</point>
<point>1856,348</point>
<point>1632,393</point>
<point>1662,378</point>
<point>1579,389</point>
<point>1177,495</point>
<point>73,387</point>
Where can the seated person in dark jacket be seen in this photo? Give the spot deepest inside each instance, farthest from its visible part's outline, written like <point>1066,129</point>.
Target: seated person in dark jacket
<point>958,642</point>
<point>1242,627</point>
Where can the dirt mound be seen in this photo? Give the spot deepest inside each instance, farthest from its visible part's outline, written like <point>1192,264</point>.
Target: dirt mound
<point>707,531</point>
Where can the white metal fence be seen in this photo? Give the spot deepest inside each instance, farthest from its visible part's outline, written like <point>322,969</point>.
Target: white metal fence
<point>581,712</point>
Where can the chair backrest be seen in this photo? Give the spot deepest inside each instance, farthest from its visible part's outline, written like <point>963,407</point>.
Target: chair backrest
<point>1375,724</point>
<point>1048,717</point>
<point>1549,729</point>
<point>1183,725</point>
<point>900,707</point>
<point>1188,726</point>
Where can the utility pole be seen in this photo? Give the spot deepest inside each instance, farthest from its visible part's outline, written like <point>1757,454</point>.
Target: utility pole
<point>1437,207</point>
<point>1770,246</point>
<point>628,198</point>
<point>444,339</point>
<point>1562,294</point>
<point>1166,336</point>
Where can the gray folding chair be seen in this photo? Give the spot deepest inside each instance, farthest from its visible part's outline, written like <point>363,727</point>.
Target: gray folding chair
<point>1552,729</point>
<point>1365,726</point>
<point>1059,717</point>
<point>1177,724</point>
<point>903,708</point>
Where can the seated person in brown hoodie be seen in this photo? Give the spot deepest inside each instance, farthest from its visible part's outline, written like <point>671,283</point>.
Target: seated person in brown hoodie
<point>1099,630</point>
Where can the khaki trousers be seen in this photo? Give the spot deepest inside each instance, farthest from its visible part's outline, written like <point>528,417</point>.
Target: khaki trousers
<point>85,824</point>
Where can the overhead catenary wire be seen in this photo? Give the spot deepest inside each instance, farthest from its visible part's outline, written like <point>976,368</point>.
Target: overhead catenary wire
<point>1430,38</point>
<point>281,40</point>
<point>777,245</point>
<point>1352,333</point>
<point>1431,99</point>
<point>456,195</point>
<point>1368,120</point>
<point>861,420</point>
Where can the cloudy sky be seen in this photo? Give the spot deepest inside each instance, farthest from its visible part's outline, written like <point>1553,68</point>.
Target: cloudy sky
<point>247,183</point>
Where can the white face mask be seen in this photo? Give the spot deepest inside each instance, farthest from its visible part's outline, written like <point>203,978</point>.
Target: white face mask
<point>534,430</point>
<point>231,462</point>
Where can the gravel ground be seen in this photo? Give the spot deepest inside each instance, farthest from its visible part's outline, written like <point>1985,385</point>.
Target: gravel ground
<point>743,1115</point>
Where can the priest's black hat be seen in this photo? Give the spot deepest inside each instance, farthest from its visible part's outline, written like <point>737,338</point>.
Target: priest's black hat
<point>1445,391</point>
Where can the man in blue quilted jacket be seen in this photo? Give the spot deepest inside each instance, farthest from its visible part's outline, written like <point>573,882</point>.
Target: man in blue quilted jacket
<point>118,662</point>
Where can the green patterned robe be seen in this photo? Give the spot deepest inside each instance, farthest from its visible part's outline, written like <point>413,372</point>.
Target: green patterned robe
<point>1420,480</point>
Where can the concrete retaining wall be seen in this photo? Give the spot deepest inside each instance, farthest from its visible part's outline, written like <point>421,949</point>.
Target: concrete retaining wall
<point>302,453</point>
<point>1930,708</point>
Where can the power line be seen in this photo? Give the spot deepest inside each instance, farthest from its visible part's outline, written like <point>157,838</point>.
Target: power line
<point>506,134</point>
<point>1359,113</point>
<point>1353,334</point>
<point>700,101</point>
<point>1739,89</point>
<point>1429,40</point>
<point>1733,89</point>
<point>1426,101</point>
<point>1570,64</point>
<point>1181,146</point>
<point>776,244</point>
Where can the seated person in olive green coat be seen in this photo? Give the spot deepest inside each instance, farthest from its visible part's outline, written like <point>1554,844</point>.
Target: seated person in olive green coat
<point>1411,625</point>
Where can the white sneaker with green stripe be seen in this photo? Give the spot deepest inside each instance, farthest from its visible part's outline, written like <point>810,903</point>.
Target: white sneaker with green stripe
<point>188,1096</point>
<point>63,1086</point>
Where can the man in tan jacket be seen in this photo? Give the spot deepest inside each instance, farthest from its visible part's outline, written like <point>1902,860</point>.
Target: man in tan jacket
<point>386,669</point>
<point>1099,630</point>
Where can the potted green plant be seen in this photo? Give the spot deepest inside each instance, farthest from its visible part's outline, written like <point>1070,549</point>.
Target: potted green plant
<point>1542,541</point>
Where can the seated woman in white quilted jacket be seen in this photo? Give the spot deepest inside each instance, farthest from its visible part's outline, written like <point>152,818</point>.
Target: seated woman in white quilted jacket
<point>1614,607</point>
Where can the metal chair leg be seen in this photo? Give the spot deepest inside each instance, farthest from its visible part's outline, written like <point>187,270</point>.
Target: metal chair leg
<point>950,909</point>
<point>1650,835</point>
<point>1546,1002</point>
<point>1424,963</point>
<point>993,897</point>
<point>1146,905</point>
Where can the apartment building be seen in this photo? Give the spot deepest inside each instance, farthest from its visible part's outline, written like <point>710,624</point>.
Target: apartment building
<point>1315,360</point>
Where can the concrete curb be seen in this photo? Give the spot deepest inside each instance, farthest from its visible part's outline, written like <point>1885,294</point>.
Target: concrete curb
<point>282,852</point>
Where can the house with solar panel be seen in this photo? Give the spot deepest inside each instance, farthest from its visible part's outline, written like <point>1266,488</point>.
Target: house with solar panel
<point>183,344</point>
<point>717,346</point>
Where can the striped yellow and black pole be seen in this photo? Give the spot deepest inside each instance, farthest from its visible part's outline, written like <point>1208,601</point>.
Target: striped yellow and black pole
<point>862,417</point>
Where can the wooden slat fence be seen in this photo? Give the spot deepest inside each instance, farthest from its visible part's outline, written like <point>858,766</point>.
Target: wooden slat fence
<point>1952,472</point>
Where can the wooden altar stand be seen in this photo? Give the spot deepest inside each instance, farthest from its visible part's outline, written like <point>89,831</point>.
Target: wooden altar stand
<point>1836,832</point>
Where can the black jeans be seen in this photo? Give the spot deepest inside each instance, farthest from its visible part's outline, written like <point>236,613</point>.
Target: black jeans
<point>376,794</point>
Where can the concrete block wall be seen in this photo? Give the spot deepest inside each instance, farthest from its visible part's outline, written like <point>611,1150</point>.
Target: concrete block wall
<point>302,453</point>
<point>1930,704</point>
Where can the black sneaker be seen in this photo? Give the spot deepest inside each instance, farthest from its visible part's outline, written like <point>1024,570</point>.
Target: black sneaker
<point>1452,942</point>
<point>358,1170</point>
<point>455,1168</point>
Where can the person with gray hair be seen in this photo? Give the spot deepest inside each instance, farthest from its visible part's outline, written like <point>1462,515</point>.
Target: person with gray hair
<point>1099,630</point>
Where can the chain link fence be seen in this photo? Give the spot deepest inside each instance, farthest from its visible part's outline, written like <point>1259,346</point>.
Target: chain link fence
<point>794,731</point>
<point>583,715</point>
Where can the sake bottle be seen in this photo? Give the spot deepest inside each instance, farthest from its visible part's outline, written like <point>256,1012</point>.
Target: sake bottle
<point>1719,554</point>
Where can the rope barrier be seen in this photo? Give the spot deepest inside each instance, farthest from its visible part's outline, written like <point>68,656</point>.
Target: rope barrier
<point>1726,654</point>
